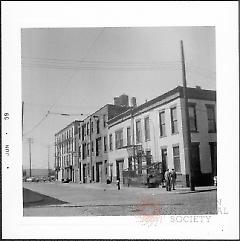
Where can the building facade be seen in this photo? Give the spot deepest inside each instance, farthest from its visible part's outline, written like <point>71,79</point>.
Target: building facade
<point>65,151</point>
<point>92,164</point>
<point>158,127</point>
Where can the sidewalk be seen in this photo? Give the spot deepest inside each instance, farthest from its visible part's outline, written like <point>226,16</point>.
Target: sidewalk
<point>113,186</point>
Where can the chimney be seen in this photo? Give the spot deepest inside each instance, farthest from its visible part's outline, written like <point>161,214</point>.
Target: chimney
<point>116,101</point>
<point>122,100</point>
<point>133,102</point>
<point>198,87</point>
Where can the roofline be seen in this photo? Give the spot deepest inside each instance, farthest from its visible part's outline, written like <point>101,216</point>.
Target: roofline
<point>68,126</point>
<point>179,89</point>
<point>106,105</point>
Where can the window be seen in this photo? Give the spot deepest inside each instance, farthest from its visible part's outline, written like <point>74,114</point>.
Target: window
<point>87,129</point>
<point>84,151</point>
<point>130,163</point>
<point>104,121</point>
<point>88,149</point>
<point>98,130</point>
<point>92,146</point>
<point>119,139</point>
<point>147,129</point>
<point>105,143</point>
<point>128,136</point>
<point>176,159</point>
<point>83,132</point>
<point>192,117</point>
<point>174,120</point>
<point>79,132</point>
<point>98,146</point>
<point>138,131</point>
<point>162,123</point>
<point>110,142</point>
<point>79,152</point>
<point>211,118</point>
<point>91,126</point>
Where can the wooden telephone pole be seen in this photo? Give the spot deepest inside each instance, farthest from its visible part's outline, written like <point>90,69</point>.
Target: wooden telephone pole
<point>48,160</point>
<point>188,136</point>
<point>30,141</point>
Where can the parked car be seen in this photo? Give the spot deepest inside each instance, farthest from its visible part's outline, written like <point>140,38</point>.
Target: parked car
<point>30,179</point>
<point>67,180</point>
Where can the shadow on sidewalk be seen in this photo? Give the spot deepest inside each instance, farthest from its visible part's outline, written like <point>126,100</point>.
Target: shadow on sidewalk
<point>31,199</point>
<point>197,191</point>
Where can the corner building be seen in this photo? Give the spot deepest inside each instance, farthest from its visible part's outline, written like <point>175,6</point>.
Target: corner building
<point>66,152</point>
<point>159,128</point>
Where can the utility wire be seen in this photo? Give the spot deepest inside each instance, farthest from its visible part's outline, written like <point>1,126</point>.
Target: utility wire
<point>46,115</point>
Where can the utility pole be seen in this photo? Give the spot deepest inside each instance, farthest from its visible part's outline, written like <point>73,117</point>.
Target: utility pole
<point>22,115</point>
<point>30,141</point>
<point>48,159</point>
<point>188,136</point>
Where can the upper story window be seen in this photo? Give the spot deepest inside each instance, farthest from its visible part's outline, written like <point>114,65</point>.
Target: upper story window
<point>83,132</point>
<point>147,129</point>
<point>211,118</point>
<point>98,146</point>
<point>98,126</point>
<point>87,128</point>
<point>138,131</point>
<point>174,122</point>
<point>110,142</point>
<point>91,126</point>
<point>79,132</point>
<point>84,150</point>
<point>88,149</point>
<point>128,136</point>
<point>92,147</point>
<point>105,143</point>
<point>104,121</point>
<point>162,123</point>
<point>192,117</point>
<point>119,139</point>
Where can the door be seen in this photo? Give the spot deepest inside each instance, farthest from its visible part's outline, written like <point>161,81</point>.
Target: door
<point>164,160</point>
<point>98,171</point>
<point>119,166</point>
<point>80,172</point>
<point>213,152</point>
<point>84,173</point>
<point>195,163</point>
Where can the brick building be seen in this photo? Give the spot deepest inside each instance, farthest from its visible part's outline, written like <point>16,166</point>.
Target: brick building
<point>92,145</point>
<point>65,151</point>
<point>158,129</point>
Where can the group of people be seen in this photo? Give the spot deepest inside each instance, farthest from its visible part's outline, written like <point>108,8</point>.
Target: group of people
<point>170,179</point>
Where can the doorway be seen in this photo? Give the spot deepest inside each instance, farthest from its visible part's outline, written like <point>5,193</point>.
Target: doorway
<point>164,160</point>
<point>119,166</point>
<point>213,152</point>
<point>195,163</point>
<point>98,171</point>
<point>84,173</point>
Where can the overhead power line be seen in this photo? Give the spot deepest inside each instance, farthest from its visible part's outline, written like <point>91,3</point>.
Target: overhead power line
<point>68,83</point>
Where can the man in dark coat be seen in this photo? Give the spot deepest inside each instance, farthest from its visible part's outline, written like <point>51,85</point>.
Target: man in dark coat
<point>173,178</point>
<point>167,177</point>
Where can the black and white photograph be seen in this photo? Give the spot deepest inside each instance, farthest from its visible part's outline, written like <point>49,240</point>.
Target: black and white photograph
<point>118,121</point>
<point>123,128</point>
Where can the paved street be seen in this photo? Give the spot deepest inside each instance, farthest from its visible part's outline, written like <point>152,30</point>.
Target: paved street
<point>101,199</point>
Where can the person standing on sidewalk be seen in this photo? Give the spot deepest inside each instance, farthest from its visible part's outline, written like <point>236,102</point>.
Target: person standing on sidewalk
<point>173,178</point>
<point>167,177</point>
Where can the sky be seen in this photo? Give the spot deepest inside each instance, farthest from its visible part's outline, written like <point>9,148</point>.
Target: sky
<point>79,70</point>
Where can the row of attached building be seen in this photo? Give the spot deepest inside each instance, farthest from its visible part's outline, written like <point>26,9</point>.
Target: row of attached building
<point>119,139</point>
